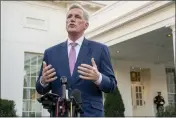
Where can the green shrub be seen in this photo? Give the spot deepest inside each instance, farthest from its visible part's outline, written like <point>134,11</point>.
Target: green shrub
<point>114,106</point>
<point>169,111</point>
<point>7,108</point>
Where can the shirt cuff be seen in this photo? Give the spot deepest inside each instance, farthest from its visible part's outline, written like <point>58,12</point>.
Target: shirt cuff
<point>43,85</point>
<point>99,80</point>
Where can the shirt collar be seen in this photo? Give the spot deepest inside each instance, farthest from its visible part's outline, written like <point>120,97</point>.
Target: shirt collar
<point>78,41</point>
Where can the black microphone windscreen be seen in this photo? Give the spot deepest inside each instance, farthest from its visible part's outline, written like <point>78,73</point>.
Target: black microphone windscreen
<point>77,95</point>
<point>63,80</point>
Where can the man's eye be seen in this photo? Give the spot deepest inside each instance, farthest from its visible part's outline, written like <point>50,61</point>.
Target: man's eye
<point>69,16</point>
<point>78,17</point>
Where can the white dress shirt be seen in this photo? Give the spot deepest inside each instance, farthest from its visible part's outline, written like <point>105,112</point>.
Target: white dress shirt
<point>77,48</point>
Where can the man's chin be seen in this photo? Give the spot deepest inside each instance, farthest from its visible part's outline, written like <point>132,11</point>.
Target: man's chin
<point>72,31</point>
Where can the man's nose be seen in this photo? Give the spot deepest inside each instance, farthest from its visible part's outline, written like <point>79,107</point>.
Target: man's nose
<point>72,19</point>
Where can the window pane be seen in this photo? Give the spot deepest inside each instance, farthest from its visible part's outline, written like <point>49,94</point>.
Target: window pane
<point>27,59</point>
<point>38,70</point>
<point>26,93</point>
<point>140,95</point>
<point>32,96</point>
<point>28,73</point>
<point>170,72</point>
<point>170,101</point>
<point>137,101</point>
<point>137,96</point>
<point>173,88</point>
<point>27,68</point>
<point>38,107</point>
<point>172,80</point>
<point>40,59</point>
<point>136,88</point>
<point>33,70</point>
<point>26,81</point>
<point>25,105</point>
<point>31,114</point>
<point>33,81</point>
<point>140,102</point>
<point>34,60</point>
<point>29,105</point>
<point>170,89</point>
<point>138,76</point>
<point>33,106</point>
<point>139,79</point>
<point>170,97</point>
<point>139,89</point>
<point>38,114</point>
<point>25,114</point>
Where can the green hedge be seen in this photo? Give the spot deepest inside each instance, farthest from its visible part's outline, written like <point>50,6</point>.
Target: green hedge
<point>169,111</point>
<point>7,108</point>
<point>114,106</point>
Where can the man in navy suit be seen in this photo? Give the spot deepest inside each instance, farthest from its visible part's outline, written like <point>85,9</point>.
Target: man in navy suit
<point>85,63</point>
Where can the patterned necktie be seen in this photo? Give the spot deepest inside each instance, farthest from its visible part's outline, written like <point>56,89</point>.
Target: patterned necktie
<point>72,57</point>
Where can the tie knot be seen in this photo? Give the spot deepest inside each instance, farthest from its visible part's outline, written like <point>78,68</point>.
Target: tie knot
<point>73,44</point>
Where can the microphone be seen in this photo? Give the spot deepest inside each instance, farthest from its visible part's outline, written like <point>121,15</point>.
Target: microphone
<point>64,85</point>
<point>76,95</point>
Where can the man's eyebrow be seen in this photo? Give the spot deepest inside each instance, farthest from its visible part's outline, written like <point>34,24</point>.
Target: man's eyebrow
<point>69,15</point>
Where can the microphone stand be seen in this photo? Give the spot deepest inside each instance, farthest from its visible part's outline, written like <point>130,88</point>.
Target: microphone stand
<point>57,106</point>
<point>61,106</point>
<point>49,102</point>
<point>75,108</point>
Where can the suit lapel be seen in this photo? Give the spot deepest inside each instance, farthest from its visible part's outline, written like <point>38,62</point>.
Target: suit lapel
<point>64,68</point>
<point>84,51</point>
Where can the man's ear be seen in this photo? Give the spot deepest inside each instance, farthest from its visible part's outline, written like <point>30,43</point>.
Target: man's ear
<point>86,25</point>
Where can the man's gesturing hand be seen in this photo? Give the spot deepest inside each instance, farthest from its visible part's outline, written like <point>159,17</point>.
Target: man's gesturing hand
<point>88,72</point>
<point>48,74</point>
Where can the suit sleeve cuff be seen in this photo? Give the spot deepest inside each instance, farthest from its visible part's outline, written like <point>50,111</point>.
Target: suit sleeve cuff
<point>43,85</point>
<point>98,82</point>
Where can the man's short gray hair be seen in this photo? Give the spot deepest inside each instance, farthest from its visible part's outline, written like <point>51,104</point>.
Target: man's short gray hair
<point>85,13</point>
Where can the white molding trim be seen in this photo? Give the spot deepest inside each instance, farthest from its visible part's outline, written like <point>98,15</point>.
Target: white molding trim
<point>172,26</point>
<point>141,31</point>
<point>81,2</point>
<point>45,4</point>
<point>139,12</point>
<point>106,8</point>
<point>35,22</point>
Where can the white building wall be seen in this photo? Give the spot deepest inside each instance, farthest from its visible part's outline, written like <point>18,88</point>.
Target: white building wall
<point>124,84</point>
<point>156,82</point>
<point>16,39</point>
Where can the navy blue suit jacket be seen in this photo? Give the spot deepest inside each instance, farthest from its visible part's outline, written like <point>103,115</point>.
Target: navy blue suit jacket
<point>91,94</point>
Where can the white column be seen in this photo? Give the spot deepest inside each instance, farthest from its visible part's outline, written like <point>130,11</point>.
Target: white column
<point>172,26</point>
<point>174,44</point>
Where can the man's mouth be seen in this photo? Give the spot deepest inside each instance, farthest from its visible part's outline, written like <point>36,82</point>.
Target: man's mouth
<point>72,25</point>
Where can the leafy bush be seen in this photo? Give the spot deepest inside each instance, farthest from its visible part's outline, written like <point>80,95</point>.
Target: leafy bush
<point>169,111</point>
<point>114,106</point>
<point>7,108</point>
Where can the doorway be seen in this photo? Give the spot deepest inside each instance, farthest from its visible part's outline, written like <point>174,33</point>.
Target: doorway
<point>139,87</point>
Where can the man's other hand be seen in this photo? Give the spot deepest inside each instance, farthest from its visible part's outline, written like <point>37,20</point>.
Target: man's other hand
<point>88,72</point>
<point>48,74</point>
